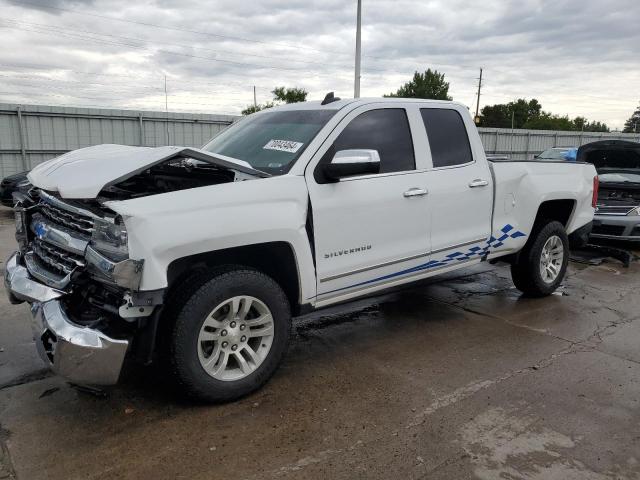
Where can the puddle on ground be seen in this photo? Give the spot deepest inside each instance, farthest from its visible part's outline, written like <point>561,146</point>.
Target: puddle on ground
<point>507,445</point>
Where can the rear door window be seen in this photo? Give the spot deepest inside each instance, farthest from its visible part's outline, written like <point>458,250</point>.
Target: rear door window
<point>447,137</point>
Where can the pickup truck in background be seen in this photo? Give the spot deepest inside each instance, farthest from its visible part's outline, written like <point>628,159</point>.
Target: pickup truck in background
<point>202,256</point>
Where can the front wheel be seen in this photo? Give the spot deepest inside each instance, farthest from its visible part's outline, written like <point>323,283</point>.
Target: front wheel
<point>230,335</point>
<point>543,261</point>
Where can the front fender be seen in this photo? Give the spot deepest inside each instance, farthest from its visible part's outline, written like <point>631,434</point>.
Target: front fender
<point>163,228</point>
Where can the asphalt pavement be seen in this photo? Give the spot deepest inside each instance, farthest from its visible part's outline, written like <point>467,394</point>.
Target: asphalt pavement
<point>459,378</point>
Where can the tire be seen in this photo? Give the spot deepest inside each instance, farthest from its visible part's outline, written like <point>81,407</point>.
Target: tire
<point>205,331</point>
<point>527,272</point>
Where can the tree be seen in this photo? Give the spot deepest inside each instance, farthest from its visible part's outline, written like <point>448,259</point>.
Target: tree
<point>529,114</point>
<point>499,116</point>
<point>289,95</point>
<point>430,84</point>
<point>594,127</point>
<point>280,95</point>
<point>548,121</point>
<point>256,108</point>
<point>633,124</point>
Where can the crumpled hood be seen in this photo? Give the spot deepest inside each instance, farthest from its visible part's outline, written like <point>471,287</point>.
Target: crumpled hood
<point>85,172</point>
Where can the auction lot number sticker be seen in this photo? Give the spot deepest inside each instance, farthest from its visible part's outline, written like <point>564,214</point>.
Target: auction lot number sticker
<point>283,146</point>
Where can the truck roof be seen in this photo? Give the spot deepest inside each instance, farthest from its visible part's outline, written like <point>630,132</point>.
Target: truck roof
<point>337,105</point>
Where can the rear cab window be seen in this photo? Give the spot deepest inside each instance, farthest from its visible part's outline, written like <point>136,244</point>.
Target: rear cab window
<point>447,136</point>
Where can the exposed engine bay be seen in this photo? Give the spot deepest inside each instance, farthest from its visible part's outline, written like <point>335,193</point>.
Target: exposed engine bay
<point>170,176</point>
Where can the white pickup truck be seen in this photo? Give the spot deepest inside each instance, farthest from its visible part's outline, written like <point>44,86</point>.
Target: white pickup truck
<point>201,256</point>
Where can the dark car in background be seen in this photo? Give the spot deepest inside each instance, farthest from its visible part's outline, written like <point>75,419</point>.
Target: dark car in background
<point>617,162</point>
<point>11,184</point>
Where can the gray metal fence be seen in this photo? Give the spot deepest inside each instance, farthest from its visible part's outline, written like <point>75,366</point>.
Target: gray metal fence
<point>524,144</point>
<point>30,134</point>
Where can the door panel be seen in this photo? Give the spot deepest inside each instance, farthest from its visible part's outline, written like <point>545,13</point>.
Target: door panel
<point>461,186</point>
<point>460,214</point>
<point>367,228</point>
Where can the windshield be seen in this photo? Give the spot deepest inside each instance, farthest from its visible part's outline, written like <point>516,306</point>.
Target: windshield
<point>619,177</point>
<point>554,154</point>
<point>270,141</point>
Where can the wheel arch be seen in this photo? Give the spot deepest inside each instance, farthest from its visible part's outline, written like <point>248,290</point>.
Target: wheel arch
<point>560,210</point>
<point>275,259</point>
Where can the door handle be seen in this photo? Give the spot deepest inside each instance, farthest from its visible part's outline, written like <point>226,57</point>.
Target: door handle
<point>415,192</point>
<point>478,182</point>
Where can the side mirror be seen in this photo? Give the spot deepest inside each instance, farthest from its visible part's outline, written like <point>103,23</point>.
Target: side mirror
<point>347,163</point>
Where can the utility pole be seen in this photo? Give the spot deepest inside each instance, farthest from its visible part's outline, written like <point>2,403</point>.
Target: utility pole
<point>356,85</point>
<point>477,118</point>
<point>255,102</point>
<point>166,106</point>
<point>513,121</point>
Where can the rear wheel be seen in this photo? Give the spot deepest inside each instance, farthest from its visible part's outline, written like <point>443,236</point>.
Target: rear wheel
<point>230,336</point>
<point>542,264</point>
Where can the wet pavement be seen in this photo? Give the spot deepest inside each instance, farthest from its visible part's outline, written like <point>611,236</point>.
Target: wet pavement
<point>460,378</point>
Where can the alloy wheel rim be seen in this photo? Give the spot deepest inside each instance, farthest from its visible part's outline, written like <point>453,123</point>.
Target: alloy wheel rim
<point>551,259</point>
<point>235,338</point>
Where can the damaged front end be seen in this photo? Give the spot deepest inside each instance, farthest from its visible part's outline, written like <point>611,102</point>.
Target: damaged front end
<point>73,268</point>
<point>73,264</point>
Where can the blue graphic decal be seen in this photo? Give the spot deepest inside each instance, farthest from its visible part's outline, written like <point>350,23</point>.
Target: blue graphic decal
<point>477,251</point>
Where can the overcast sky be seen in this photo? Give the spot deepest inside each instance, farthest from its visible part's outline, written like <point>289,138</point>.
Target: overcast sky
<point>577,57</point>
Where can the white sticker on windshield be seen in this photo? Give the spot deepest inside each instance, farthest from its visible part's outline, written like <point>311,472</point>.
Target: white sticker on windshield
<point>283,146</point>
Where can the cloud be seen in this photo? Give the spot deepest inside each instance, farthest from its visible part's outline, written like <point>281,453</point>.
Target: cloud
<point>47,4</point>
<point>576,56</point>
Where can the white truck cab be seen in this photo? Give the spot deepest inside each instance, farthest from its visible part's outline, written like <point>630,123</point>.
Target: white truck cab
<point>206,254</point>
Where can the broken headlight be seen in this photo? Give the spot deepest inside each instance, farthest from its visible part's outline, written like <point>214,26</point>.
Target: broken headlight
<point>110,238</point>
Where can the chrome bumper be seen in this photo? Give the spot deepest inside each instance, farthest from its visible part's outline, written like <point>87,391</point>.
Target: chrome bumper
<point>628,227</point>
<point>79,354</point>
<point>21,287</point>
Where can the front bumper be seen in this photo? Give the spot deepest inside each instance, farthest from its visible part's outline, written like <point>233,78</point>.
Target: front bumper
<point>80,354</point>
<point>21,287</point>
<point>616,227</point>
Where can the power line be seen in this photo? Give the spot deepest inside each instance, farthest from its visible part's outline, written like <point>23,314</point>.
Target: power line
<point>230,37</point>
<point>102,74</point>
<point>55,83</point>
<point>18,94</point>
<point>144,42</point>
<point>153,25</point>
<point>169,52</point>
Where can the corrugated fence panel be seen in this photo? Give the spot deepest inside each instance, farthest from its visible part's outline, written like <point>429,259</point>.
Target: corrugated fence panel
<point>524,144</point>
<point>49,131</point>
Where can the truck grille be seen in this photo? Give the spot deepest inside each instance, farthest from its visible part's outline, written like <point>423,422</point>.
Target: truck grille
<point>61,233</point>
<point>56,258</point>
<point>621,210</point>
<point>79,223</point>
